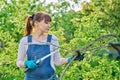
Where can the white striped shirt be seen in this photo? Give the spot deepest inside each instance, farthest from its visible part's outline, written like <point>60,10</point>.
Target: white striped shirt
<point>23,46</point>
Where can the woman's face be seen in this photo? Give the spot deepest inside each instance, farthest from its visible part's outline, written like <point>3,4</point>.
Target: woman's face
<point>43,26</point>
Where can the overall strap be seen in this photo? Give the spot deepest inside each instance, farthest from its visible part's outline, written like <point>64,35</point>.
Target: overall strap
<point>49,38</point>
<point>29,38</point>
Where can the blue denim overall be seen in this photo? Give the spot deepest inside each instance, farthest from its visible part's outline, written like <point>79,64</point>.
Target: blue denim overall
<point>44,71</point>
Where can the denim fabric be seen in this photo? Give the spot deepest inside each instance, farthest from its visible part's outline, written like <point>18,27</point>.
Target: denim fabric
<point>53,77</point>
<point>44,70</point>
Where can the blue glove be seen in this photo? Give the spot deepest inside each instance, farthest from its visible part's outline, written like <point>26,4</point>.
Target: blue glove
<point>69,59</point>
<point>30,64</point>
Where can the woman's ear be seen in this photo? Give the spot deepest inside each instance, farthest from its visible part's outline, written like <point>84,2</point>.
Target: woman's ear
<point>35,23</point>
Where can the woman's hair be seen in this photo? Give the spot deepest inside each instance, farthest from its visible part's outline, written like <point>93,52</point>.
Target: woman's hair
<point>39,16</point>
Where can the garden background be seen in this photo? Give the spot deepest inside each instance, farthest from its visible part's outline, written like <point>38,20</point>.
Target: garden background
<point>74,29</point>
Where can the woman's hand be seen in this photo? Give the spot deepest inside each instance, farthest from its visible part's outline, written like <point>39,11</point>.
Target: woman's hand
<point>30,64</point>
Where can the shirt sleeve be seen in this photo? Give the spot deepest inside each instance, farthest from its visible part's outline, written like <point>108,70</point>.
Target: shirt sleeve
<point>57,57</point>
<point>21,52</point>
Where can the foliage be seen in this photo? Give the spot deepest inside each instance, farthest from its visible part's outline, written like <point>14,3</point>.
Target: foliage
<point>94,68</point>
<point>74,31</point>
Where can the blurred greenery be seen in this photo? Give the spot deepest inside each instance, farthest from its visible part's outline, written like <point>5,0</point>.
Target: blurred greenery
<point>74,29</point>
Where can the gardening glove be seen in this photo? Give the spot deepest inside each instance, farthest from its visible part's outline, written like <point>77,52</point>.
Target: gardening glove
<point>30,64</point>
<point>79,56</point>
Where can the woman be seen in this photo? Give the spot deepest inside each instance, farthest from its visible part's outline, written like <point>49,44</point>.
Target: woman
<point>35,45</point>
